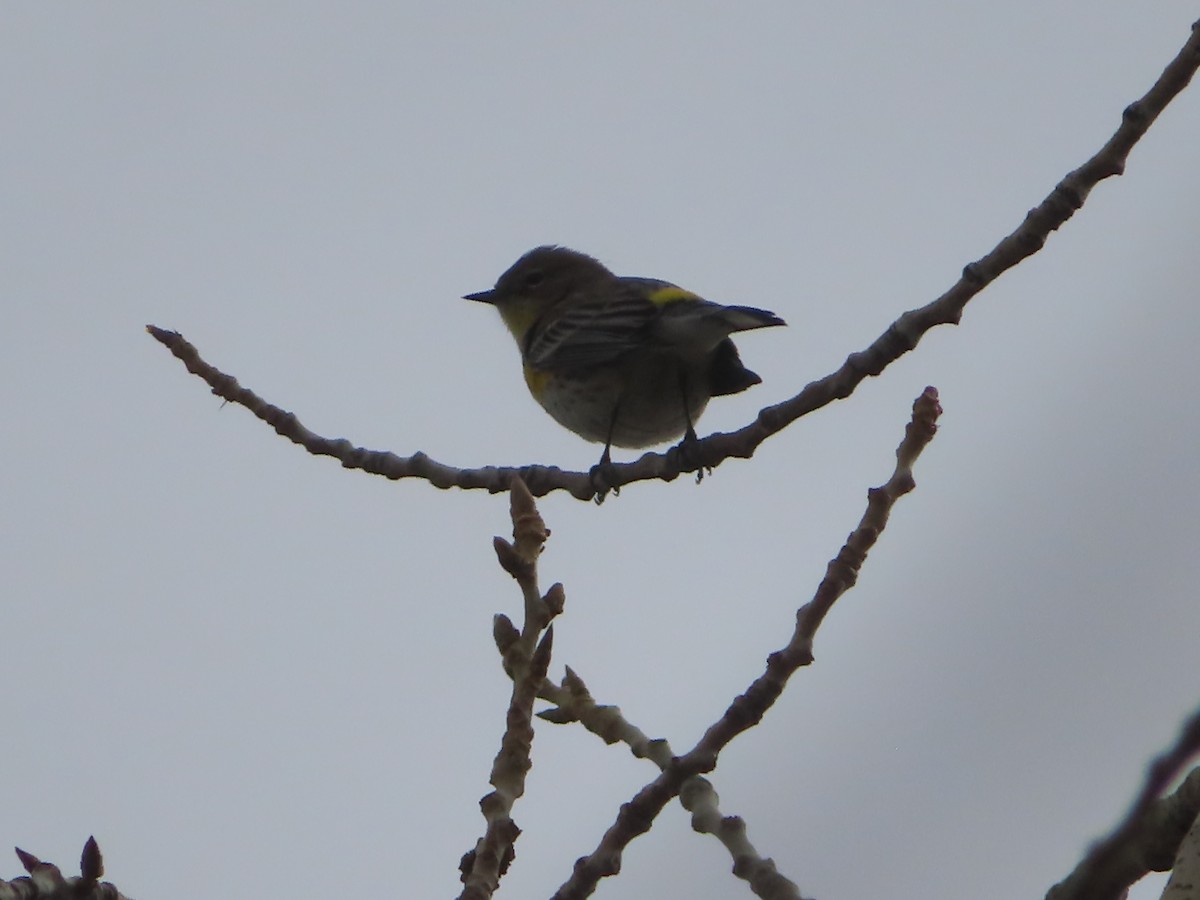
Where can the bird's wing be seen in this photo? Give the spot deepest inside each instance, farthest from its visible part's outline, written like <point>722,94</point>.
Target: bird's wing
<point>594,332</point>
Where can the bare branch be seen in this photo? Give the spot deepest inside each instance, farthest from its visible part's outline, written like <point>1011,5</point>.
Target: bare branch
<point>1184,883</point>
<point>1149,836</point>
<point>526,660</point>
<point>637,816</point>
<point>574,703</point>
<point>47,882</point>
<point>900,337</point>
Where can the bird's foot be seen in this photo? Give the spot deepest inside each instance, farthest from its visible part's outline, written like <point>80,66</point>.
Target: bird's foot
<point>688,455</point>
<point>601,476</point>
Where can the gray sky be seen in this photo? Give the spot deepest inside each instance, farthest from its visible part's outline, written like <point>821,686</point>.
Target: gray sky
<point>237,664</point>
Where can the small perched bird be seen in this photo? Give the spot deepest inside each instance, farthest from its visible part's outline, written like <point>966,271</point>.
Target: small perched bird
<point>622,361</point>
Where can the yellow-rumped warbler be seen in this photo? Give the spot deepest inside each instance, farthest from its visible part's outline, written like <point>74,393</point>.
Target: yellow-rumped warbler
<point>626,362</point>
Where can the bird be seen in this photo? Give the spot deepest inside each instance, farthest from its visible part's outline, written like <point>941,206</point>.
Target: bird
<point>624,361</point>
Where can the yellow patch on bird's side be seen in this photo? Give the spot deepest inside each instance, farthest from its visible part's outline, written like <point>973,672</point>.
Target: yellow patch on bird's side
<point>536,380</point>
<point>670,294</point>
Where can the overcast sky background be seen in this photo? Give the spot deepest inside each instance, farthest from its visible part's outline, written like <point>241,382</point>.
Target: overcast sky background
<point>249,672</point>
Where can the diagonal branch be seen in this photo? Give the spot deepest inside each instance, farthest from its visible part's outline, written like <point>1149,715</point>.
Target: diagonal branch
<point>574,703</point>
<point>637,816</point>
<point>900,337</point>
<point>1149,835</point>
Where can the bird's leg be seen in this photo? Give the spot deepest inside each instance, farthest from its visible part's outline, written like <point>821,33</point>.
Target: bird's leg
<point>688,447</point>
<point>599,472</point>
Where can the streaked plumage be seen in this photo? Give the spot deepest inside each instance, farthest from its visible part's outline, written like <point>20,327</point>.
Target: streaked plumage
<point>622,361</point>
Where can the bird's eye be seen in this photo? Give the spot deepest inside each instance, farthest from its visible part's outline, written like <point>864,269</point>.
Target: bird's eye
<point>534,278</point>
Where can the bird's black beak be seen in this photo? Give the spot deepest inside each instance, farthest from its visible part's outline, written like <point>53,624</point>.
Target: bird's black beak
<point>482,296</point>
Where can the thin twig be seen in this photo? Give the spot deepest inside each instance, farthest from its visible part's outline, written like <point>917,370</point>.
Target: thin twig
<point>1152,829</point>
<point>900,337</point>
<point>574,703</point>
<point>526,659</point>
<point>47,882</point>
<point>636,816</point>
